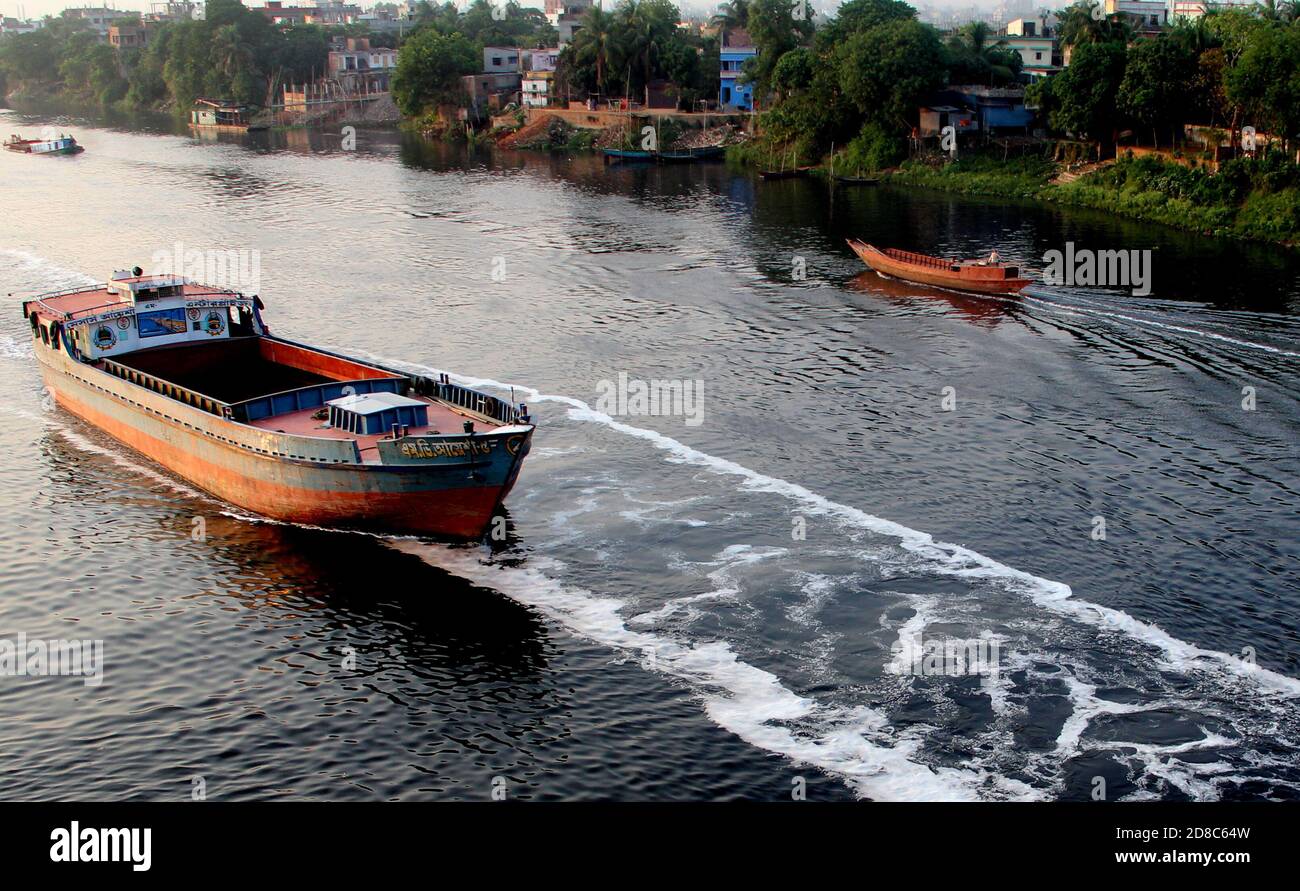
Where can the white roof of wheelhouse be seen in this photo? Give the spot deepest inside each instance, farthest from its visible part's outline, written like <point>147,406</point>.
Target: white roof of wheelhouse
<point>371,403</point>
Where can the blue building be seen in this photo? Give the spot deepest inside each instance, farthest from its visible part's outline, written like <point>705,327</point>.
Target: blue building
<point>736,48</point>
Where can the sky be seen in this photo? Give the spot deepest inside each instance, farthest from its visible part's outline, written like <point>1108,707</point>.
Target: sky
<point>38,8</point>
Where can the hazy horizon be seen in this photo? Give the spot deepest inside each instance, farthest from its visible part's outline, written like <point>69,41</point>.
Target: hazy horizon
<point>32,9</point>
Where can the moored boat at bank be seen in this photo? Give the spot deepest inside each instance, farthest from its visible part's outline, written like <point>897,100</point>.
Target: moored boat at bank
<point>57,145</point>
<point>986,276</point>
<point>190,376</point>
<point>223,114</point>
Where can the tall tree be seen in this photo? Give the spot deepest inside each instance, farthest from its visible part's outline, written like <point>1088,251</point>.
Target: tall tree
<point>1155,89</point>
<point>429,67</point>
<point>1086,91</point>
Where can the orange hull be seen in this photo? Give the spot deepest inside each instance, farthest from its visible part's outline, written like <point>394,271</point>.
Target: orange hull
<point>461,513</point>
<point>975,279</point>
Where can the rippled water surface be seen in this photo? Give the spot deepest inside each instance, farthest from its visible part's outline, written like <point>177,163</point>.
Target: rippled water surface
<point>657,626</point>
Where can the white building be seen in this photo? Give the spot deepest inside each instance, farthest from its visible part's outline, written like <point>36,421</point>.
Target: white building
<point>538,88</point>
<point>1035,43</point>
<point>1194,9</point>
<point>544,59</point>
<point>1146,15</point>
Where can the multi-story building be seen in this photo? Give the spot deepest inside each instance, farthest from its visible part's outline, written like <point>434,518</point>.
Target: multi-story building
<point>566,17</point>
<point>324,12</point>
<point>127,35</point>
<point>360,68</point>
<point>544,59</point>
<point>173,11</point>
<point>736,49</point>
<point>538,88</point>
<point>1146,16</point>
<point>1194,9</point>
<point>501,60</point>
<point>98,18</point>
<point>1035,43</point>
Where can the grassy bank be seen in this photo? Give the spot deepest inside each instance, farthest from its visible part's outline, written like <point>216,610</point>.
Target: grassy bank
<point>1246,198</point>
<point>981,175</point>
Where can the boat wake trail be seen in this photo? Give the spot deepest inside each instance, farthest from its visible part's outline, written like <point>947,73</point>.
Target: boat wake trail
<point>1095,310</point>
<point>1167,716</point>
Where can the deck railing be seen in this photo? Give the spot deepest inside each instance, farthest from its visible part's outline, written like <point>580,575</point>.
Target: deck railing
<point>477,402</point>
<point>919,259</point>
<point>167,388</point>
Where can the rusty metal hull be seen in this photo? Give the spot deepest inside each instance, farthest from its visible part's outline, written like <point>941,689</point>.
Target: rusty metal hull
<point>452,495</point>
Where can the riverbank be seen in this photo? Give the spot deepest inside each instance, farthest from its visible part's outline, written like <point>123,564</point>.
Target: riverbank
<point>1245,199</point>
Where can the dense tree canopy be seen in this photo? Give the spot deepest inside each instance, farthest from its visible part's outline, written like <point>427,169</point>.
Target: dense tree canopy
<point>429,68</point>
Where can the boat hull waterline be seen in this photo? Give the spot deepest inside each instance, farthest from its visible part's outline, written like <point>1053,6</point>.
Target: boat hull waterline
<point>972,277</point>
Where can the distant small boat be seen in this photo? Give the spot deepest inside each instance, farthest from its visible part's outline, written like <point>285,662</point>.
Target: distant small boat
<point>791,173</point>
<point>63,145</point>
<point>857,181</point>
<point>704,153</point>
<point>976,276</point>
<point>627,155</point>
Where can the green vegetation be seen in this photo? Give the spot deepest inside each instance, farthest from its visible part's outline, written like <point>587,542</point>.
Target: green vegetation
<point>1247,197</point>
<point>234,53</point>
<point>1024,177</point>
<point>429,68</point>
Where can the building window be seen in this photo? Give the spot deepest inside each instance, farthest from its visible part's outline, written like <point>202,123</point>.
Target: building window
<point>1038,57</point>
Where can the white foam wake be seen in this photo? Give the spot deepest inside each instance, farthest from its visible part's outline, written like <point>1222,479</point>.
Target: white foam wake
<point>749,702</point>
<point>1195,332</point>
<point>943,557</point>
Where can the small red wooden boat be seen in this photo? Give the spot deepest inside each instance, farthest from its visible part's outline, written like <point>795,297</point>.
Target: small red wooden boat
<point>976,276</point>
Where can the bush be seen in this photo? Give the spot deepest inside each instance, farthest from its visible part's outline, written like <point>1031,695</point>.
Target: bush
<point>872,150</point>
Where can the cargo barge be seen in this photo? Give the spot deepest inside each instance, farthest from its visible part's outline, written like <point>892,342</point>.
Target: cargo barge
<point>190,376</point>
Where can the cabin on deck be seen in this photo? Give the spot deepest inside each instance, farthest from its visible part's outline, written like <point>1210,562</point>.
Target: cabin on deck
<point>219,113</point>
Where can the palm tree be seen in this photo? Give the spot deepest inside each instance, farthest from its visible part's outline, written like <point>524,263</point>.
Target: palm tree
<point>733,14</point>
<point>230,54</point>
<point>596,44</point>
<point>972,41</point>
<point>645,29</point>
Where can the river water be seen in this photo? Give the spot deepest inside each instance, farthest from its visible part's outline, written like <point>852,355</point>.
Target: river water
<point>688,606</point>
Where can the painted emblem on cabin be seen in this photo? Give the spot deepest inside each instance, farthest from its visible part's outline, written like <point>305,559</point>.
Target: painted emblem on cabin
<point>124,322</point>
<point>215,325</point>
<point>193,314</point>
<point>105,338</point>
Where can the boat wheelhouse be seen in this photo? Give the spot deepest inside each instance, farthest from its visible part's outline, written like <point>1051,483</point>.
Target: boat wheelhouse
<point>190,376</point>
